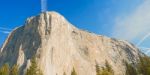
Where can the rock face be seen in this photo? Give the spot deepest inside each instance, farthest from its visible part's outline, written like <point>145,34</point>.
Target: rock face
<point>59,46</point>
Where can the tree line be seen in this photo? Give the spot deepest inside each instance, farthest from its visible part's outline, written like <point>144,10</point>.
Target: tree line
<point>32,70</point>
<point>142,68</point>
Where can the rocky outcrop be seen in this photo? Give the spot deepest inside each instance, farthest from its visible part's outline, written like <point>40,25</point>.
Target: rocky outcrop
<point>59,46</point>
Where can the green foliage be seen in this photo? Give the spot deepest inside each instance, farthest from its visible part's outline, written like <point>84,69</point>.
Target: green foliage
<point>97,70</point>
<point>14,70</point>
<point>107,70</point>
<point>144,65</point>
<point>4,70</point>
<point>33,70</point>
<point>142,68</point>
<point>73,72</point>
<point>130,70</point>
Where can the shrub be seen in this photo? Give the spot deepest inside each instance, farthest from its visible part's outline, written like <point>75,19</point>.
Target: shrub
<point>33,70</point>
<point>107,70</point>
<point>73,72</point>
<point>4,70</point>
<point>14,70</point>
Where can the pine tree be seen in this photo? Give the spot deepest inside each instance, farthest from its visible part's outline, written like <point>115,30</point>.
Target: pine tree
<point>4,70</point>
<point>144,65</point>
<point>108,68</point>
<point>73,72</point>
<point>130,70</point>
<point>33,70</point>
<point>105,72</point>
<point>14,70</point>
<point>97,69</point>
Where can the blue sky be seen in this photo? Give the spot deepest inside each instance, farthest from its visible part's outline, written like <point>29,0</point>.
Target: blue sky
<point>122,19</point>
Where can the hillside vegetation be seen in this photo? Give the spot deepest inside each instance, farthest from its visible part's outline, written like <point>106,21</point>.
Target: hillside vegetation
<point>143,68</point>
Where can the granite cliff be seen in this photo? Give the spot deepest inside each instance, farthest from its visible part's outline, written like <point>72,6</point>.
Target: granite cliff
<point>59,46</point>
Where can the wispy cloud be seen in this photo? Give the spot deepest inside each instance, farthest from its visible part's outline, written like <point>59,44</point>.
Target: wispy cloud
<point>134,26</point>
<point>5,30</point>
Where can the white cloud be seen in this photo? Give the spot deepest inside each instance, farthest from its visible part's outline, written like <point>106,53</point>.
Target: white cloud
<point>5,32</point>
<point>3,28</point>
<point>134,26</point>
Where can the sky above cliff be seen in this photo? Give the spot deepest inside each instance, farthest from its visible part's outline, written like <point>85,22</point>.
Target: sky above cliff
<point>122,19</point>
